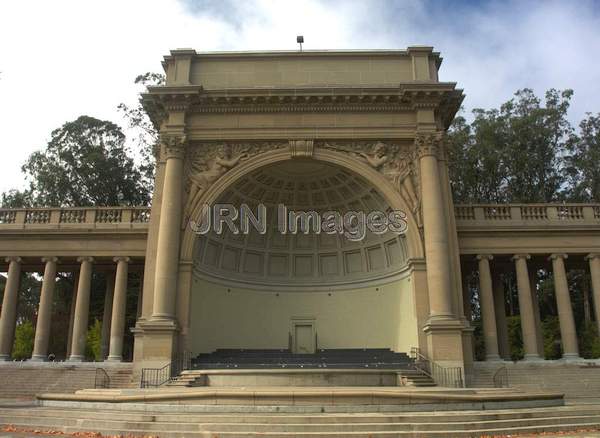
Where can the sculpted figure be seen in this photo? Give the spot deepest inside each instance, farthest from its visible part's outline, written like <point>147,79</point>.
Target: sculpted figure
<point>402,178</point>
<point>203,178</point>
<point>377,157</point>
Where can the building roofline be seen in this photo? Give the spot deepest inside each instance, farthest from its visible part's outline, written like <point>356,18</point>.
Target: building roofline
<point>306,53</point>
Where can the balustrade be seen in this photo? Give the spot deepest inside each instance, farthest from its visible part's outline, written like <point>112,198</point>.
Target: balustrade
<point>52,217</point>
<point>525,214</point>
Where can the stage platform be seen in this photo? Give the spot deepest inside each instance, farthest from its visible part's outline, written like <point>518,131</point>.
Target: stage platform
<point>401,398</point>
<point>300,377</point>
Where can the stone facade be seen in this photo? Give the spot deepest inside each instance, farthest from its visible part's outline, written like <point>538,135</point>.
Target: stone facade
<point>345,130</point>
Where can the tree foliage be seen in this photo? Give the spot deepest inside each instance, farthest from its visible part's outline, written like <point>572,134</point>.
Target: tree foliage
<point>583,161</point>
<point>517,153</point>
<point>85,163</point>
<point>93,342</point>
<point>24,338</point>
<point>144,131</point>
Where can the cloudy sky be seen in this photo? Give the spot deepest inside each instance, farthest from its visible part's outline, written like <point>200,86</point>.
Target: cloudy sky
<point>60,59</point>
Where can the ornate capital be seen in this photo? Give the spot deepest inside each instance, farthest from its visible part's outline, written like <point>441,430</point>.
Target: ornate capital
<point>85,259</point>
<point>427,144</point>
<point>49,259</point>
<point>593,255</point>
<point>521,256</point>
<point>484,257</point>
<point>558,256</point>
<point>174,145</point>
<point>15,259</point>
<point>121,259</point>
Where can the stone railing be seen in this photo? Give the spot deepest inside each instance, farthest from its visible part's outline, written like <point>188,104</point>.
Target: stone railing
<point>525,214</point>
<point>84,217</point>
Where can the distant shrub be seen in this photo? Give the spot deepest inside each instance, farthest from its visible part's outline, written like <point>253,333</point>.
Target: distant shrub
<point>24,338</point>
<point>93,341</point>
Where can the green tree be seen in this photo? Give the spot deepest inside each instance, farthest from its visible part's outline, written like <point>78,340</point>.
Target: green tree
<point>537,143</point>
<point>515,337</point>
<point>589,341</point>
<point>86,163</point>
<point>512,154</point>
<point>551,333</point>
<point>24,337</point>
<point>144,131</point>
<point>582,161</point>
<point>93,342</point>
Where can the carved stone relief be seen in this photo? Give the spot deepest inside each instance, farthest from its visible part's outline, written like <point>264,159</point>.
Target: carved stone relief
<point>396,162</point>
<point>205,163</point>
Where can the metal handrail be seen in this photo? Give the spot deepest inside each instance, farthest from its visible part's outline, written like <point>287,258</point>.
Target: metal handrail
<point>101,379</point>
<point>450,377</point>
<point>501,378</point>
<point>154,377</point>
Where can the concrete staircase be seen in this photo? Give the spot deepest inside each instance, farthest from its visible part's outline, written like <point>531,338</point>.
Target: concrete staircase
<point>24,381</point>
<point>414,378</point>
<point>169,421</point>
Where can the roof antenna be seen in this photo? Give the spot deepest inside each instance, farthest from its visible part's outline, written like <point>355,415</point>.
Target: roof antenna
<point>300,40</point>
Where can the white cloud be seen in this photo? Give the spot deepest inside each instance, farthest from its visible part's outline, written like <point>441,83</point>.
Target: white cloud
<point>62,58</point>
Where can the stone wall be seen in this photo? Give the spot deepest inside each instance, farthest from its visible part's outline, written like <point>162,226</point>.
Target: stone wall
<point>23,381</point>
<point>576,380</point>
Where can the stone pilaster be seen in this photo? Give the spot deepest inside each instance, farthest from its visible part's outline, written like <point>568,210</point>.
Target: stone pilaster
<point>526,310</point>
<point>42,329</point>
<point>568,332</point>
<point>156,336</point>
<point>167,254</point>
<point>9,307</point>
<point>437,253</point>
<point>443,328</point>
<point>488,316</point>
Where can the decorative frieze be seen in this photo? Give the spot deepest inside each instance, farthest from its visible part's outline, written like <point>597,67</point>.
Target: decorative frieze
<point>207,162</point>
<point>395,161</point>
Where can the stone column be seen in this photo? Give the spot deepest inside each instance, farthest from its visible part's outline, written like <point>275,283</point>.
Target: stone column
<point>500,312</point>
<point>8,317</point>
<point>82,308</point>
<point>72,313</point>
<point>117,325</point>
<point>42,329</point>
<point>167,254</point>
<point>568,333</point>
<point>140,298</point>
<point>536,307</point>
<point>437,252</point>
<point>486,300</point>
<point>530,344</point>
<point>594,260</point>
<point>107,315</point>
<point>466,293</point>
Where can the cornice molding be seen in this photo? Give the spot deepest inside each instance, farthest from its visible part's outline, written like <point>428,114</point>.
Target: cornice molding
<point>441,96</point>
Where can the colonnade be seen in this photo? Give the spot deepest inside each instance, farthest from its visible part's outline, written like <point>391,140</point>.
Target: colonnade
<point>492,303</point>
<point>115,304</point>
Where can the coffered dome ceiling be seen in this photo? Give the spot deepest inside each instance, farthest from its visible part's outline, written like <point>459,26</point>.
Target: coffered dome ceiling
<point>277,261</point>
